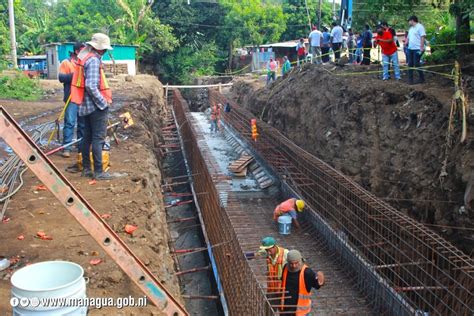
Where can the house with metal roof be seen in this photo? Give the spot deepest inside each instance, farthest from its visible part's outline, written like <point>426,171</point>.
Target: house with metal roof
<point>121,60</point>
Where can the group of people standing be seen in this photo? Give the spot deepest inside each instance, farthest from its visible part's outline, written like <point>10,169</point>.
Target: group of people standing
<point>359,46</point>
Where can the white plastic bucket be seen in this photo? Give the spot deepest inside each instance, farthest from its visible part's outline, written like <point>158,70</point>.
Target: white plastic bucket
<point>284,224</point>
<point>49,279</point>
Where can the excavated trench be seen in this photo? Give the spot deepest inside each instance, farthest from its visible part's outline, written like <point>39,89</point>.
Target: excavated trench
<point>425,113</point>
<point>186,240</point>
<point>389,137</point>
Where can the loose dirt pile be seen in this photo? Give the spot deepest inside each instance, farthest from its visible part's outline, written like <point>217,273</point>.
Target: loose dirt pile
<point>388,136</point>
<point>134,199</point>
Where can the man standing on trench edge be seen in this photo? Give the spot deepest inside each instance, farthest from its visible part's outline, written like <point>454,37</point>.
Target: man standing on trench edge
<point>90,90</point>
<point>66,71</point>
<point>415,41</point>
<point>297,281</point>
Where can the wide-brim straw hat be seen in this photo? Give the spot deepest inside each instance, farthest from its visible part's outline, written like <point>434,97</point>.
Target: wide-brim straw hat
<point>100,42</point>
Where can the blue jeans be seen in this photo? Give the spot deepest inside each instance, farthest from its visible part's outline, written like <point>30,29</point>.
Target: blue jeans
<point>358,55</point>
<point>414,56</point>
<point>70,119</point>
<point>95,130</point>
<point>337,47</point>
<point>386,59</point>
<point>214,126</point>
<point>325,53</point>
<point>271,76</point>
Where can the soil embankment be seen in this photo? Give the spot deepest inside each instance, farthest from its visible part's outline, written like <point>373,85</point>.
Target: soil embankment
<point>134,199</point>
<point>388,136</point>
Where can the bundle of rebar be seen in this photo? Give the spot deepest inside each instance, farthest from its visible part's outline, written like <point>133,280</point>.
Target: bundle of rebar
<point>11,172</point>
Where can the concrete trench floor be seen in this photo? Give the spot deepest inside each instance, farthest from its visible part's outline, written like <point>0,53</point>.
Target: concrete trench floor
<point>250,210</point>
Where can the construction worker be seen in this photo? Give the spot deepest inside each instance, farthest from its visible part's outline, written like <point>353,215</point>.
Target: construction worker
<point>66,71</point>
<point>289,207</point>
<point>91,91</point>
<point>271,70</point>
<point>276,260</point>
<point>215,117</point>
<point>297,281</point>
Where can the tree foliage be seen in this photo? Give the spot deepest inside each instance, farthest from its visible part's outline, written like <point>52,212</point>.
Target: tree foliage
<point>253,21</point>
<point>188,63</point>
<point>297,17</point>
<point>396,13</point>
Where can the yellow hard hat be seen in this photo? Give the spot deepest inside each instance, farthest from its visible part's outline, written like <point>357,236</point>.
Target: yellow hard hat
<point>300,205</point>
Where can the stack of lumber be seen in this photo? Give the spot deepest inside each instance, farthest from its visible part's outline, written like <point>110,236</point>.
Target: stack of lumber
<point>239,167</point>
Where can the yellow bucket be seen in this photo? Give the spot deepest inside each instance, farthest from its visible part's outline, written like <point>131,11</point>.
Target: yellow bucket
<point>105,160</point>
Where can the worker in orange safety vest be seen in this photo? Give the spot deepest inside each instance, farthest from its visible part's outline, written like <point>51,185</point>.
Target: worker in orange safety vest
<point>297,281</point>
<point>276,260</point>
<point>66,72</point>
<point>91,91</point>
<point>215,117</point>
<point>289,207</point>
<point>79,81</point>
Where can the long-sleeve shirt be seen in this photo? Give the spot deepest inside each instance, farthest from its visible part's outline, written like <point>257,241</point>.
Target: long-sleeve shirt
<point>93,99</point>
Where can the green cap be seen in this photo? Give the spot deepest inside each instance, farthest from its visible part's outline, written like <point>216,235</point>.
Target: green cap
<point>267,243</point>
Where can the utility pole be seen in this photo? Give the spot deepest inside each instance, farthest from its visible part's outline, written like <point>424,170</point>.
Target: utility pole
<point>11,15</point>
<point>307,13</point>
<point>319,14</point>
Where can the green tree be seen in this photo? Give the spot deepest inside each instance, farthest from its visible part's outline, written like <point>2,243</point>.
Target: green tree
<point>77,20</point>
<point>252,22</point>
<point>4,33</point>
<point>139,25</point>
<point>462,10</point>
<point>397,13</point>
<point>188,63</point>
<point>297,17</point>
<point>32,20</point>
<point>198,28</point>
<point>125,21</point>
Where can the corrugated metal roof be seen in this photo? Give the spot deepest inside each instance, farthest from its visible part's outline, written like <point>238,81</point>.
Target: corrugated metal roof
<point>33,57</point>
<point>288,44</point>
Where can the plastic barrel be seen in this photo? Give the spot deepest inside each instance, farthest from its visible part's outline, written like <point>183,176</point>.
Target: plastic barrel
<point>284,224</point>
<point>49,279</point>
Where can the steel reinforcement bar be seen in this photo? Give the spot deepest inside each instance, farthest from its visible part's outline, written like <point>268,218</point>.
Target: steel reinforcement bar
<point>421,270</point>
<point>243,293</point>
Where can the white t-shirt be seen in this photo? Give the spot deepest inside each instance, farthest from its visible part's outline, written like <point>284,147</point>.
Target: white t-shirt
<point>336,34</point>
<point>315,38</point>
<point>414,36</point>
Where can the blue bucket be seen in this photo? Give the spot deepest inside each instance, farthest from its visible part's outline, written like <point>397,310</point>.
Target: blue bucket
<point>284,224</point>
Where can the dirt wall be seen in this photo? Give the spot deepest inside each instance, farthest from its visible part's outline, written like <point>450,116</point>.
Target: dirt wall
<point>388,136</point>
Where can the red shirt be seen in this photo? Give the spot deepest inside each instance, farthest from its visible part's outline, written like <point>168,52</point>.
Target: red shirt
<point>387,48</point>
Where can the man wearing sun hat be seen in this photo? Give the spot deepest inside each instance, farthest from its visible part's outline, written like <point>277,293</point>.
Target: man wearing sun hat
<point>276,260</point>
<point>91,91</point>
<point>289,207</point>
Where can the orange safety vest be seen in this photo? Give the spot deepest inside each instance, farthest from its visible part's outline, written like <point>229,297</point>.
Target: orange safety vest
<point>285,207</point>
<point>215,112</point>
<point>303,306</point>
<point>275,271</point>
<point>78,82</point>
<point>67,67</point>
